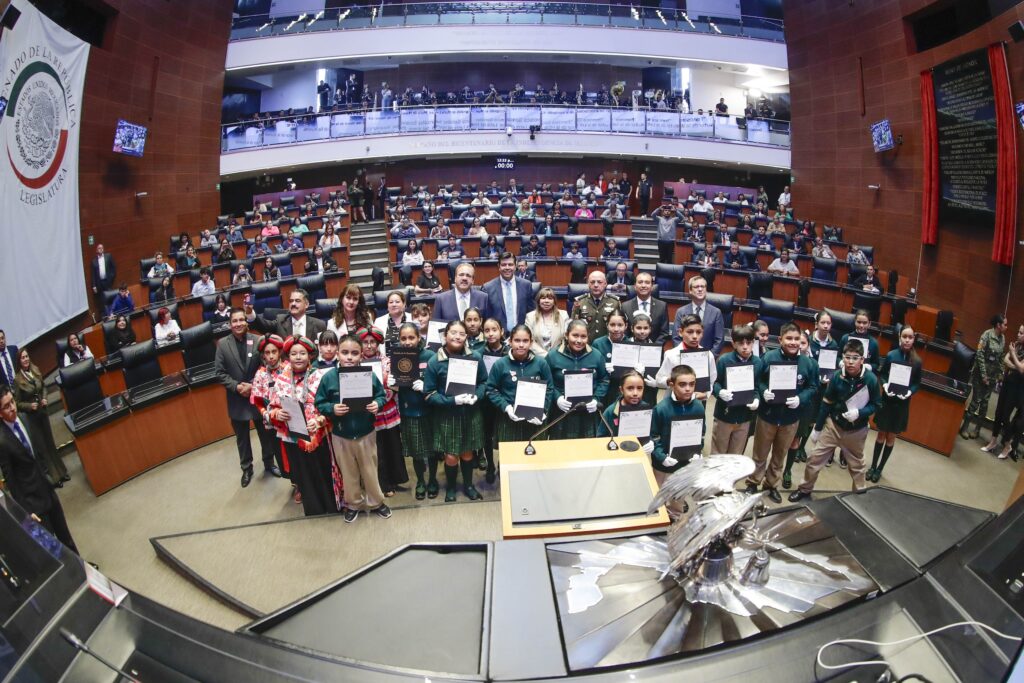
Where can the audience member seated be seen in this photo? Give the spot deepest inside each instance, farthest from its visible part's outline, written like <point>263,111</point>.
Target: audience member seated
<point>270,271</point>
<point>620,279</point>
<point>736,259</point>
<point>221,314</point>
<point>490,248</point>
<point>204,285</point>
<point>477,229</point>
<point>427,282</point>
<point>160,268</point>
<point>694,233</point>
<point>612,252</point>
<point>76,350</point>
<point>533,250</point>
<point>548,227</point>
<point>761,240</point>
<point>403,229</point>
<point>290,243</point>
<point>821,249</point>
<point>225,253</point>
<point>583,211</point>
<point>166,330</point>
<point>330,240</point>
<point>242,276</point>
<point>259,248</point>
<point>440,229</point>
<point>574,251</point>
<point>207,239</point>
<point>452,251</point>
<point>869,281</point>
<point>122,336</point>
<point>184,242</point>
<point>235,234</point>
<point>855,255</point>
<point>270,229</point>
<point>412,255</point>
<point>188,260</point>
<point>514,228</point>
<point>783,265</point>
<point>122,302</point>
<point>523,271</point>
<point>706,256</point>
<point>525,210</point>
<point>701,206</point>
<point>319,262</point>
<point>162,292</point>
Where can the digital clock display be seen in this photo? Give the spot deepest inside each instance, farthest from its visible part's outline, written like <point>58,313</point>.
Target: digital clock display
<point>505,163</point>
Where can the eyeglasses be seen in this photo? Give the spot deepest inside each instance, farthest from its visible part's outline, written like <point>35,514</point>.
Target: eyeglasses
<point>852,359</point>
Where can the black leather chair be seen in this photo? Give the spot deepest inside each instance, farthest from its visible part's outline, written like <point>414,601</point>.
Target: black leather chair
<point>380,299</point>
<point>144,265</point>
<point>709,277</point>
<point>139,364</point>
<point>198,346</point>
<point>872,303</point>
<point>171,308</point>
<point>266,295</point>
<point>377,275</point>
<point>669,277</point>
<point>961,363</point>
<point>775,312</point>
<point>751,253</point>
<point>824,269</point>
<point>283,263</point>
<point>314,285</point>
<point>869,252</point>
<point>894,278</point>
<point>724,303</point>
<point>944,325</point>
<point>842,323</point>
<point>760,285</point>
<point>577,273</point>
<point>854,271</point>
<point>324,308</point>
<point>899,312</point>
<point>80,386</point>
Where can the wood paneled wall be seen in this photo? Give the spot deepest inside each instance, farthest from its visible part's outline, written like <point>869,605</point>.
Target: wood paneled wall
<point>831,45</point>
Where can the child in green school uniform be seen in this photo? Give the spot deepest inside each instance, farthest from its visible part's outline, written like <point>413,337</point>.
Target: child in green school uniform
<point>576,354</point>
<point>518,364</point>
<point>417,435</point>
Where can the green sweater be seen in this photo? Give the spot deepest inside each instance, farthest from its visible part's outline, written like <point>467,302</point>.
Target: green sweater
<point>611,416</point>
<point>414,403</point>
<point>734,414</point>
<point>870,353</point>
<point>897,356</point>
<point>435,379</point>
<point>842,388</point>
<point>354,424</point>
<point>505,375</point>
<point>806,387</point>
<point>562,359</point>
<point>661,428</point>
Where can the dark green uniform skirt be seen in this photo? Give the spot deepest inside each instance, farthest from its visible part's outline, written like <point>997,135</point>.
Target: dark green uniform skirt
<point>893,416</point>
<point>507,430</point>
<point>579,425</point>
<point>458,431</point>
<point>417,437</point>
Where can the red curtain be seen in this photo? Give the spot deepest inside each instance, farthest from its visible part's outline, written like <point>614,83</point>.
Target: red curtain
<point>1006,166</point>
<point>930,168</point>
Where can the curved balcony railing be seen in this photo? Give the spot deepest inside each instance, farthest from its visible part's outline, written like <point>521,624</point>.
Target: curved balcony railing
<point>497,13</point>
<point>532,119</point>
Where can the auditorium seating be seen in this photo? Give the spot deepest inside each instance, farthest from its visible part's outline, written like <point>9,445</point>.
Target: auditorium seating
<point>198,350</point>
<point>872,303</point>
<point>775,312</point>
<point>314,285</point>
<point>140,366</point>
<point>266,294</point>
<point>760,285</point>
<point>824,269</point>
<point>842,323</point>
<point>80,386</point>
<point>724,303</point>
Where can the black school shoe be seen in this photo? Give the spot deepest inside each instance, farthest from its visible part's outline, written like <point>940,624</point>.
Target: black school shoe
<point>797,496</point>
<point>351,515</point>
<point>383,511</point>
<point>773,495</point>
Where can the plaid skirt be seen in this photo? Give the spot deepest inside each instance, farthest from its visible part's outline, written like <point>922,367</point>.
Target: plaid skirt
<point>579,425</point>
<point>507,430</point>
<point>458,431</point>
<point>417,439</point>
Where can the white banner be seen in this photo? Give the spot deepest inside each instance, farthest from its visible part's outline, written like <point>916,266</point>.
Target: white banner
<point>346,125</point>
<point>696,124</point>
<point>488,118</point>
<point>557,118</point>
<point>417,120</point>
<point>317,129</point>
<point>757,131</point>
<point>451,118</point>
<point>663,122</point>
<point>382,122</point>
<point>43,71</point>
<point>627,121</point>
<point>521,118</point>
<point>279,133</point>
<point>593,119</point>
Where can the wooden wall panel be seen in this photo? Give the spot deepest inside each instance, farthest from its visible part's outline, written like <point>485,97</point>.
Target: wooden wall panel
<point>833,162</point>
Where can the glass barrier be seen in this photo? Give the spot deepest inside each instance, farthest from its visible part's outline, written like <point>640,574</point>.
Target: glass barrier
<point>502,13</point>
<point>532,119</point>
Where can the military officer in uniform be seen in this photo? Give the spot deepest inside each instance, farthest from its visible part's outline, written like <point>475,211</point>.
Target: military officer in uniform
<point>594,307</point>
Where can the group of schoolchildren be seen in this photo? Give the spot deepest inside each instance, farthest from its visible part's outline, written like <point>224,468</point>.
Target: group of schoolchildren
<point>461,428</point>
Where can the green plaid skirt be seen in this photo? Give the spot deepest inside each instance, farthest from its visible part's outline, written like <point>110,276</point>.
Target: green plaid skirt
<point>507,430</point>
<point>417,439</point>
<point>579,425</point>
<point>458,431</point>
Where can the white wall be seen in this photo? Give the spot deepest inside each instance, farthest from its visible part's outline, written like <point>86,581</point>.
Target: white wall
<point>295,89</point>
<point>713,8</point>
<point>707,85</point>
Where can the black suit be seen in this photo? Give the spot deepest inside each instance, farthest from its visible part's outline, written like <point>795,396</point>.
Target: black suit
<point>231,369</point>
<point>26,481</point>
<point>11,352</point>
<point>282,326</point>
<point>658,312</point>
<point>102,284</point>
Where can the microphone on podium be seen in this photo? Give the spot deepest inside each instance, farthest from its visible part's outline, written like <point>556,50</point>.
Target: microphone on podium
<point>80,645</point>
<point>530,450</point>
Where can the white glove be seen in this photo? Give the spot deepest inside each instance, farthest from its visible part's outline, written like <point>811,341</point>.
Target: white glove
<point>815,435</point>
<point>511,412</point>
<point>591,406</point>
<point>867,366</point>
<point>564,404</point>
<point>903,397</point>
<point>537,420</point>
<point>769,395</point>
<point>669,461</point>
<point>471,399</point>
<point>793,402</point>
<point>753,405</point>
<point>418,386</point>
<point>639,368</point>
<point>392,382</point>
<point>885,388</point>
<point>462,399</point>
<point>609,368</point>
<point>648,447</point>
<point>725,395</point>
<point>851,415</point>
<point>650,381</point>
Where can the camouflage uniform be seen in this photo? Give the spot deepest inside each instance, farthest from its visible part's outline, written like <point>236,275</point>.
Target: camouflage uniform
<point>594,314</point>
<point>988,366</point>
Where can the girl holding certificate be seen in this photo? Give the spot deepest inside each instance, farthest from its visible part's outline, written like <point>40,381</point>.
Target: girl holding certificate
<point>417,435</point>
<point>862,330</point>
<point>457,419</point>
<point>618,325</point>
<point>391,472</point>
<point>474,321</point>
<point>493,349</point>
<point>900,375</point>
<point>520,363</point>
<point>640,332</point>
<point>631,390</point>
<point>586,373</point>
<point>309,465</point>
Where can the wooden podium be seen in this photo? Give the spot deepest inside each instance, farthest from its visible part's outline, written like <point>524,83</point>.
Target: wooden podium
<point>576,486</point>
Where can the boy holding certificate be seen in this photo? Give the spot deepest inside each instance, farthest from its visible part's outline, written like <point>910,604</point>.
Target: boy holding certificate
<point>852,397</point>
<point>581,383</point>
<point>351,407</point>
<point>900,374</point>
<point>519,387</point>
<point>417,435</point>
<point>690,353</point>
<point>453,384</point>
<point>677,426</point>
<point>631,415</point>
<point>787,381</point>
<point>736,390</point>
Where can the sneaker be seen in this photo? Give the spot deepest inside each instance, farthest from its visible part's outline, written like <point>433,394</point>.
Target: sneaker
<point>383,511</point>
<point>842,462</point>
<point>351,515</point>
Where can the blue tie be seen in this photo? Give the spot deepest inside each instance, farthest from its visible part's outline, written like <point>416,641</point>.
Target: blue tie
<point>510,312</point>
<point>16,427</point>
<point>8,370</point>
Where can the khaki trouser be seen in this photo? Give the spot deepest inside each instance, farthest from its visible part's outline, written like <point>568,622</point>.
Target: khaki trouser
<point>774,440</point>
<point>729,438</point>
<point>357,460</point>
<point>832,437</point>
<point>674,508</point>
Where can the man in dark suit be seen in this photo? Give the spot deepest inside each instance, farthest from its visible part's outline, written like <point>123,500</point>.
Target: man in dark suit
<point>620,278</point>
<point>452,305</point>
<point>736,259</point>
<point>20,450</point>
<point>8,361</point>
<point>235,364</point>
<point>508,295</point>
<point>655,309</point>
<point>103,273</point>
<point>293,323</point>
<point>714,322</point>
